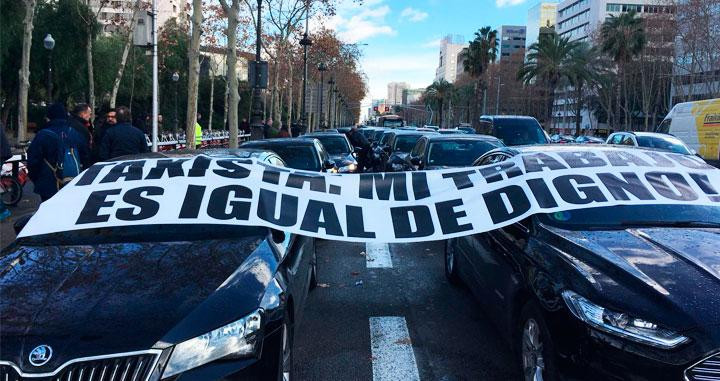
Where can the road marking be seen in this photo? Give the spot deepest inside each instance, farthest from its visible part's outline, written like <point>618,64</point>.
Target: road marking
<point>392,353</point>
<point>377,256</point>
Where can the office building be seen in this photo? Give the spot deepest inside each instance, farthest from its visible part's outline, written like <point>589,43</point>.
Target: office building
<point>395,92</point>
<point>450,46</point>
<point>118,13</point>
<point>512,40</point>
<point>541,18</point>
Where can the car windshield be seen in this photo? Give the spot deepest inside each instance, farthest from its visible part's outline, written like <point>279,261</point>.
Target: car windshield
<point>298,157</point>
<point>458,153</point>
<point>385,138</point>
<point>625,216</point>
<point>393,123</point>
<point>666,143</point>
<point>405,143</point>
<point>334,145</point>
<point>517,132</point>
<point>378,134</point>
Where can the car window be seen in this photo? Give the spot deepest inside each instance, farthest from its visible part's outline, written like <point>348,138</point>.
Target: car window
<point>405,143</point>
<point>485,127</point>
<point>299,157</point>
<point>666,143</point>
<point>664,127</point>
<point>515,132</point>
<point>458,153</point>
<point>627,140</point>
<point>334,144</point>
<point>419,148</point>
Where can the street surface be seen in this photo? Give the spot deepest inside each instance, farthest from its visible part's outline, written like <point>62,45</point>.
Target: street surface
<point>356,323</point>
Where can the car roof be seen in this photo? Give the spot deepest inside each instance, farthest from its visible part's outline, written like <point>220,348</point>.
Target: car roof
<point>314,134</point>
<point>414,132</point>
<point>507,117</point>
<point>217,153</point>
<point>279,141</point>
<point>461,136</point>
<point>544,148</point>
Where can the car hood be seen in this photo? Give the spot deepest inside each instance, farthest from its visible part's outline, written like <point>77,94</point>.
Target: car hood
<point>341,159</point>
<point>112,298</point>
<point>674,272</point>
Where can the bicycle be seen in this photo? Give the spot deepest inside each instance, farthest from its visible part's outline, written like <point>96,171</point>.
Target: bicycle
<point>13,177</point>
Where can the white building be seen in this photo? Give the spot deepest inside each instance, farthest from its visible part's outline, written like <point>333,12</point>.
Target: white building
<point>542,15</point>
<point>395,92</point>
<point>450,46</point>
<point>578,20</point>
<point>112,14</point>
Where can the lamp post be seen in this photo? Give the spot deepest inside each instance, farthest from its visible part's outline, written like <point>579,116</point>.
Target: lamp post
<point>322,68</point>
<point>335,107</point>
<point>331,82</point>
<point>257,112</point>
<point>497,100</point>
<point>49,44</point>
<point>306,43</point>
<point>175,78</point>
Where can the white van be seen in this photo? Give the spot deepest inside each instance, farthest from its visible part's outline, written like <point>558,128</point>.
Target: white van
<point>698,125</point>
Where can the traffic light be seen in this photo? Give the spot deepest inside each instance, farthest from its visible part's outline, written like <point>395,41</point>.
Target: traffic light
<point>387,108</point>
<point>375,108</point>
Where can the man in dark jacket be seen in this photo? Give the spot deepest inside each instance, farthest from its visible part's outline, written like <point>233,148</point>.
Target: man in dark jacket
<point>357,139</point>
<point>122,138</point>
<point>45,154</point>
<point>80,121</point>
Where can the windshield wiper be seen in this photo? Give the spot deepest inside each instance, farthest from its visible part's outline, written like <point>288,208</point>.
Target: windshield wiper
<point>672,224</point>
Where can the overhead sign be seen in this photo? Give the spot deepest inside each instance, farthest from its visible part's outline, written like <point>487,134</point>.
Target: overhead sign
<point>382,207</point>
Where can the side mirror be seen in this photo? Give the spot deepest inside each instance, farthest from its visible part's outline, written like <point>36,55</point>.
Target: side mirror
<point>328,164</point>
<point>21,222</point>
<point>277,236</point>
<point>415,160</point>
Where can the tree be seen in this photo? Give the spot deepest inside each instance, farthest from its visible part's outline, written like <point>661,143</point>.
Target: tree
<point>137,7</point>
<point>478,56</point>
<point>232,12</point>
<point>549,61</point>
<point>90,20</point>
<point>578,75</point>
<point>440,91</point>
<point>623,38</point>
<point>24,73</point>
<point>193,72</point>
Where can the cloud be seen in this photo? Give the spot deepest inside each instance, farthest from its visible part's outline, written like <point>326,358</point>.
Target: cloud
<point>414,15</point>
<point>354,23</point>
<point>432,43</point>
<point>508,3</point>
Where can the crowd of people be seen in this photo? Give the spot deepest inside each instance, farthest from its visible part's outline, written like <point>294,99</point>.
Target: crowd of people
<point>69,143</point>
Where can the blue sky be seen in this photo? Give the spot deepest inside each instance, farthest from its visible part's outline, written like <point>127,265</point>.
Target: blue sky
<point>403,35</point>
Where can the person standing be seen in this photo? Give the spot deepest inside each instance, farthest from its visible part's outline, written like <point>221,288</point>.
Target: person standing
<point>244,126</point>
<point>122,138</point>
<point>198,132</point>
<point>102,124</point>
<point>357,139</point>
<point>284,132</point>
<point>55,153</point>
<point>267,127</point>
<point>80,121</point>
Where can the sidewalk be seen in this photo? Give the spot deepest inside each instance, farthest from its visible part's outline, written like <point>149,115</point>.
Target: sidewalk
<point>27,205</point>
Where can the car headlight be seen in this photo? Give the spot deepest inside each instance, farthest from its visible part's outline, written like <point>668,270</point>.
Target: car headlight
<point>621,324</point>
<point>348,168</point>
<point>236,339</point>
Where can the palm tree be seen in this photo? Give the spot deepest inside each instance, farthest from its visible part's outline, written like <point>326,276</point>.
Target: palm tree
<point>478,56</point>
<point>579,73</point>
<point>439,91</point>
<point>549,60</point>
<point>623,38</point>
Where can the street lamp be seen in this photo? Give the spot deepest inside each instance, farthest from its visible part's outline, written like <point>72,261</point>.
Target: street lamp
<point>335,107</point>
<point>331,82</point>
<point>176,78</point>
<point>305,42</point>
<point>322,68</point>
<point>49,44</point>
<point>257,112</point>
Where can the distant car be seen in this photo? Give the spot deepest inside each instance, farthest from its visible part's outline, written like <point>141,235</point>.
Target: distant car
<point>449,151</point>
<point>369,133</point>
<point>513,130</point>
<point>450,131</point>
<point>562,139</point>
<point>434,128</point>
<point>339,149</point>
<point>467,129</point>
<point>308,154</point>
<point>399,145</point>
<point>139,302</point>
<point>624,292</point>
<point>653,140</point>
<point>589,140</point>
<point>344,130</point>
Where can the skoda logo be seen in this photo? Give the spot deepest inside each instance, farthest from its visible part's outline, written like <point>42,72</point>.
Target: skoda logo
<point>40,355</point>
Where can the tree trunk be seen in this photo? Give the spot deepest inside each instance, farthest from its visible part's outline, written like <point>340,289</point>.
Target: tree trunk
<point>193,73</point>
<point>275,96</point>
<point>90,72</point>
<point>126,52</point>
<point>24,74</point>
<point>233,97</point>
<point>225,109</point>
<point>578,110</point>
<point>212,98</point>
<point>290,92</point>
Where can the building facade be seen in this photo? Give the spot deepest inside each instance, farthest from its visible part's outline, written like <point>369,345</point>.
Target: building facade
<point>410,96</point>
<point>395,92</point>
<point>542,15</point>
<point>450,46</point>
<point>112,15</point>
<point>512,40</point>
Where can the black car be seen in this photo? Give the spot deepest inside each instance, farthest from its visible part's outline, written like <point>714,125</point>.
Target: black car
<point>308,154</point>
<point>449,151</point>
<point>399,145</point>
<point>339,149</point>
<point>513,130</point>
<point>604,293</point>
<point>170,302</point>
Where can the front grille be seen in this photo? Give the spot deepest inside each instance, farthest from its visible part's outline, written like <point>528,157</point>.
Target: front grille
<point>125,368</point>
<point>706,370</point>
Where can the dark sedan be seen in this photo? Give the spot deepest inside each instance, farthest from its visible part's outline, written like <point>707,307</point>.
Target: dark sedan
<point>308,154</point>
<point>339,149</point>
<point>612,293</point>
<point>170,302</point>
<point>449,151</point>
<point>399,145</point>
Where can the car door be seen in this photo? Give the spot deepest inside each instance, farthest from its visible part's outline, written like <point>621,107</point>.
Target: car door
<point>415,159</point>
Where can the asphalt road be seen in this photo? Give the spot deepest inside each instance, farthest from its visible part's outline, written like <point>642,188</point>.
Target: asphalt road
<point>404,322</point>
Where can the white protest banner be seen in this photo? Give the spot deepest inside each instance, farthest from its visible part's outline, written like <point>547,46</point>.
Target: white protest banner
<point>381,207</point>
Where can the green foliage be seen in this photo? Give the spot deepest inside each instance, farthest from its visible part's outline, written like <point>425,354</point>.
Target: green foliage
<point>623,37</point>
<point>481,52</point>
<point>550,60</point>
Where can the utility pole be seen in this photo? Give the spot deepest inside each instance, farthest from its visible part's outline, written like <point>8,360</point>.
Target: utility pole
<point>155,107</point>
<point>257,112</point>
<point>322,68</point>
<point>306,43</point>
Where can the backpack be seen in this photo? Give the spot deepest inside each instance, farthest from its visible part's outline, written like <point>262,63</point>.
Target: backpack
<point>68,162</point>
